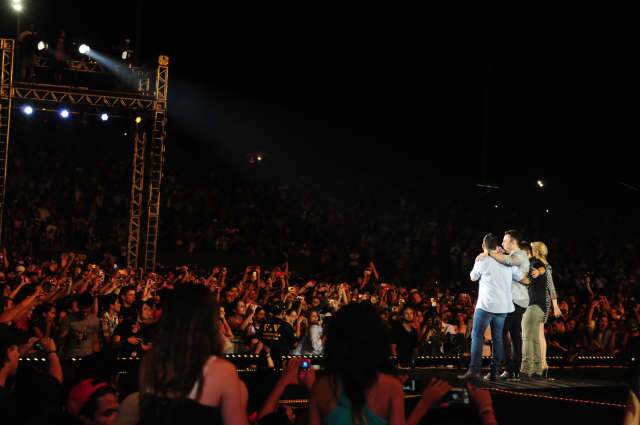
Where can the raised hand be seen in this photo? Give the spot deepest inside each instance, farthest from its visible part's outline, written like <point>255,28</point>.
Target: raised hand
<point>48,344</point>
<point>481,397</point>
<point>435,391</point>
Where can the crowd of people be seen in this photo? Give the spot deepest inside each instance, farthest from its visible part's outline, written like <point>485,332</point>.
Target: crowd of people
<point>63,283</point>
<point>355,277</point>
<point>72,308</point>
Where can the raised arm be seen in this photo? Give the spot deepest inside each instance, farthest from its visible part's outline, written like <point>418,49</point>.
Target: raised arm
<point>433,393</point>
<point>17,311</point>
<point>290,376</point>
<point>15,292</point>
<point>55,368</point>
<point>374,272</point>
<point>5,259</point>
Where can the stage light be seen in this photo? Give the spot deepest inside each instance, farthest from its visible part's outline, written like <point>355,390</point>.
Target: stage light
<point>138,120</point>
<point>17,7</point>
<point>547,210</point>
<point>259,158</point>
<point>28,110</point>
<point>104,117</point>
<point>540,184</point>
<point>84,49</point>
<point>126,54</point>
<point>64,113</point>
<point>42,45</point>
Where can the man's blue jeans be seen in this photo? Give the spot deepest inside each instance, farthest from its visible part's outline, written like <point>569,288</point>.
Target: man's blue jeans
<point>482,319</point>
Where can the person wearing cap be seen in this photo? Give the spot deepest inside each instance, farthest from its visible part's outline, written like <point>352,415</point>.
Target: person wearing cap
<point>93,403</point>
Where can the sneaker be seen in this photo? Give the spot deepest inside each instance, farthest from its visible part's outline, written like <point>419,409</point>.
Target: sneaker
<point>469,376</point>
<point>490,377</point>
<point>506,375</point>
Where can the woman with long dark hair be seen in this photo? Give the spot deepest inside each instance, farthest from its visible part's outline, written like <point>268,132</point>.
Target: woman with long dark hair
<point>45,326</point>
<point>183,379</point>
<point>357,388</point>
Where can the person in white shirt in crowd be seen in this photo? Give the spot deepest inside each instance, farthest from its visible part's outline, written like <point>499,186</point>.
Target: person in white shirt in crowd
<point>312,341</point>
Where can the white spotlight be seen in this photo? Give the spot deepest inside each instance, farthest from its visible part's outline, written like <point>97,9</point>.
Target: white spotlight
<point>42,45</point>
<point>84,49</point>
<point>540,183</point>
<point>28,110</point>
<point>104,117</point>
<point>64,113</point>
<point>17,7</point>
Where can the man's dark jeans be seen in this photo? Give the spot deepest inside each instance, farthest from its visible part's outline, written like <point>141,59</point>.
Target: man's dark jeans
<point>513,327</point>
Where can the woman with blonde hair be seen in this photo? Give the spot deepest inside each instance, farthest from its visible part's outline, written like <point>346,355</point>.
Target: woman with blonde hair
<point>540,251</point>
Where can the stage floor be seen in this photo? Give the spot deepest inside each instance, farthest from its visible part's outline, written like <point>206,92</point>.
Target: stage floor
<point>589,395</point>
<point>560,379</point>
<point>592,396</point>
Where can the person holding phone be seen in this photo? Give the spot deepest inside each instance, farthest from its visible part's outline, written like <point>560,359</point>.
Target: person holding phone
<point>240,323</point>
<point>312,341</point>
<point>296,372</point>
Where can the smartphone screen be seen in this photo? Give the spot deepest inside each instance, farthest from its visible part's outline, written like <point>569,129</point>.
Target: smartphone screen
<point>410,385</point>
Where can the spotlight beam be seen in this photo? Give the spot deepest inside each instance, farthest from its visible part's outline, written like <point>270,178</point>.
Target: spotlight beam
<point>119,68</point>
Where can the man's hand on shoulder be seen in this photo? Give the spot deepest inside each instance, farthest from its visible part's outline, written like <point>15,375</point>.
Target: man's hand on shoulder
<point>480,257</point>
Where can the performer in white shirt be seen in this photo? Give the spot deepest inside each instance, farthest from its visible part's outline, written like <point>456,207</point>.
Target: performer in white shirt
<point>494,303</point>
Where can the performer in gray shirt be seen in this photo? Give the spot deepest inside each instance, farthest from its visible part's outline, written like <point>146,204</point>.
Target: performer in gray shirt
<point>514,256</point>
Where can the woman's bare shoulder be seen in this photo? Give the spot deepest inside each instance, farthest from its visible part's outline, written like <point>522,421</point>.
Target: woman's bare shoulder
<point>221,367</point>
<point>389,383</point>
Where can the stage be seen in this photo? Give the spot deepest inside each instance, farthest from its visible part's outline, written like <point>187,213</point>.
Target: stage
<point>591,395</point>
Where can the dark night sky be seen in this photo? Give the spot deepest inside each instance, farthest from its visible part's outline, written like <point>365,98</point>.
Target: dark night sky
<point>402,93</point>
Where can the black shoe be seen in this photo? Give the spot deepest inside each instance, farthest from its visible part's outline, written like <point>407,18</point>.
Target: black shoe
<point>490,377</point>
<point>469,376</point>
<point>515,376</point>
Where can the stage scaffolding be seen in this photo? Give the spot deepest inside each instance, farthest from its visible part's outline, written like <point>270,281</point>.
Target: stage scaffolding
<point>151,105</point>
